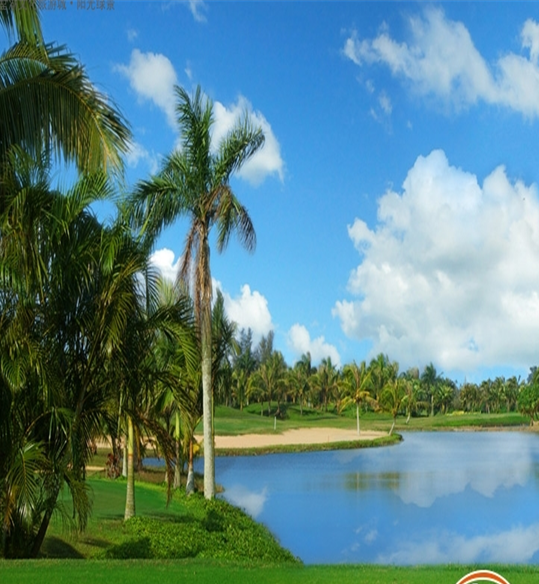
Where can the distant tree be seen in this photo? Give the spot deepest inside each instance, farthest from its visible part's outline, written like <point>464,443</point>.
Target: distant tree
<point>326,381</point>
<point>528,400</point>
<point>430,380</point>
<point>393,398</point>
<point>357,381</point>
<point>382,372</point>
<point>265,348</point>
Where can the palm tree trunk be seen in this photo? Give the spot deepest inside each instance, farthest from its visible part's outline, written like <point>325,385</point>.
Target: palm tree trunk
<point>40,536</point>
<point>177,468</point>
<point>130,494</point>
<point>190,485</point>
<point>207,402</point>
<point>124,460</point>
<point>357,418</point>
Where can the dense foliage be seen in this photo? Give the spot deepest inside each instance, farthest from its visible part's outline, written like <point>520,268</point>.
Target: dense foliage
<point>214,529</point>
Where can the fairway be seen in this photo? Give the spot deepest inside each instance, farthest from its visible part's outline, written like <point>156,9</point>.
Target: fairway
<point>210,572</point>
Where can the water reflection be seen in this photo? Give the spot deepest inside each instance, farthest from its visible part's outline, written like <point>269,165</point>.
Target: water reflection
<point>517,545</point>
<point>436,497</point>
<point>437,467</point>
<point>249,501</point>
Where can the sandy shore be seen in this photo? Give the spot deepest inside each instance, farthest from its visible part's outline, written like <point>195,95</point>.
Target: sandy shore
<point>290,437</point>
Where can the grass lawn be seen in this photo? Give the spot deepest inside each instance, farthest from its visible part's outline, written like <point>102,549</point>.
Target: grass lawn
<point>230,421</point>
<point>211,572</point>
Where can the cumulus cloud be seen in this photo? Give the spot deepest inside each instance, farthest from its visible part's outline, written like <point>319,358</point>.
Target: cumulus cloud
<point>152,77</point>
<point>300,342</point>
<point>249,310</point>
<point>441,60</point>
<point>267,161</point>
<point>163,260</point>
<point>450,273</point>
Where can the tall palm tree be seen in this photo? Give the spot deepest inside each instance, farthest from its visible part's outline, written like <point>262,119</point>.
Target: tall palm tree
<point>270,378</point>
<point>195,181</point>
<point>431,380</point>
<point>393,398</point>
<point>299,379</point>
<point>357,380</point>
<point>326,381</point>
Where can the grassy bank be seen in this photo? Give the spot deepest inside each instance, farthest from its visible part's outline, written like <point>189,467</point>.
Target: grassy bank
<point>186,528</point>
<point>210,571</point>
<point>290,448</point>
<point>229,421</point>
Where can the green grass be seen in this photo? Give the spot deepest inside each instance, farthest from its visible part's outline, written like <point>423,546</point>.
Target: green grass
<point>211,571</point>
<point>230,421</point>
<point>188,527</point>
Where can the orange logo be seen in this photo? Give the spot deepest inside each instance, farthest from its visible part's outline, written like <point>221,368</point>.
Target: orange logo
<point>483,576</point>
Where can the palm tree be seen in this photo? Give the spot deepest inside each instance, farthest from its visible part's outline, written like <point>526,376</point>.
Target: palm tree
<point>382,372</point>
<point>270,378</point>
<point>61,313</point>
<point>394,397</point>
<point>357,380</point>
<point>430,380</point>
<point>194,181</point>
<point>326,381</point>
<point>49,106</point>
<point>299,379</point>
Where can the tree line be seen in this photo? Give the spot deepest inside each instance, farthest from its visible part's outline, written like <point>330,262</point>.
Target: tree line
<point>260,374</point>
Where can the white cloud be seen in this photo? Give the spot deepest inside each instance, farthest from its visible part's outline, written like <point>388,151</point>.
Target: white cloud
<point>450,273</point>
<point>132,35</point>
<point>163,259</point>
<point>267,160</point>
<point>249,310</point>
<point>300,342</point>
<point>152,77</point>
<point>442,60</point>
<point>137,153</point>
<point>385,103</point>
<point>198,9</point>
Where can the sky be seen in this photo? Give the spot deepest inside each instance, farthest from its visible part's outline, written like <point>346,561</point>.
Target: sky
<point>395,200</point>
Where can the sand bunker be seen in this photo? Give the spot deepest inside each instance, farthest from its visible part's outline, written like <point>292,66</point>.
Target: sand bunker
<point>299,436</point>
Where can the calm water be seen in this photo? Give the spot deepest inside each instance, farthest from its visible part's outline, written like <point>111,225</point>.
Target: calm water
<point>436,497</point>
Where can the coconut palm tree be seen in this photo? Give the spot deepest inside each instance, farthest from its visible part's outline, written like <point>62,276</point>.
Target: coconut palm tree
<point>48,104</point>
<point>358,385</point>
<point>326,381</point>
<point>431,380</point>
<point>393,398</point>
<point>195,181</point>
<point>299,379</point>
<point>270,379</point>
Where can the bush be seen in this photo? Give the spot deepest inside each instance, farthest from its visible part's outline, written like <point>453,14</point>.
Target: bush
<point>214,529</point>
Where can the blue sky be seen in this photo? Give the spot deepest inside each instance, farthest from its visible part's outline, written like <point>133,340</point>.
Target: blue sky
<point>395,202</point>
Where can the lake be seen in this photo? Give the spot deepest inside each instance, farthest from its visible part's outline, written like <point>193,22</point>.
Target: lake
<point>437,497</point>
